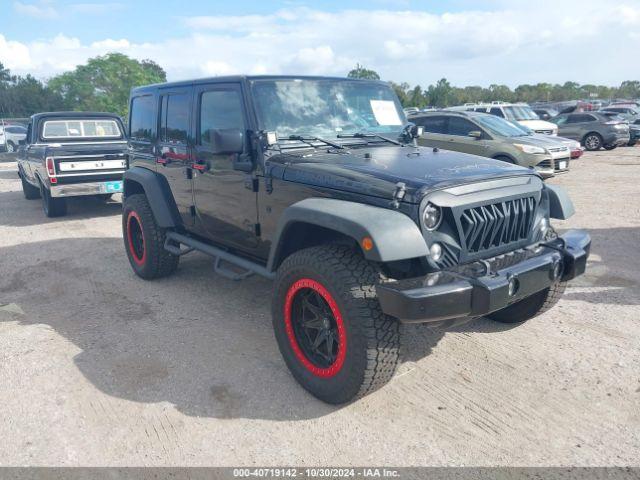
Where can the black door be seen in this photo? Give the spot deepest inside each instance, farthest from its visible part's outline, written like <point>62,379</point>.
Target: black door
<point>173,150</point>
<point>225,202</point>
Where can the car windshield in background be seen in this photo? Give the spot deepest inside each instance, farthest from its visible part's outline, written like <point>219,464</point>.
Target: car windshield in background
<point>520,112</point>
<point>327,108</point>
<point>500,126</point>
<point>78,129</point>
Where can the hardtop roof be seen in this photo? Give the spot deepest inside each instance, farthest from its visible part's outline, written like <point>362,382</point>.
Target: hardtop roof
<point>240,78</point>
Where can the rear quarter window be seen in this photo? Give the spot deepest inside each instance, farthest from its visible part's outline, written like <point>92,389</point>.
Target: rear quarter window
<point>142,118</point>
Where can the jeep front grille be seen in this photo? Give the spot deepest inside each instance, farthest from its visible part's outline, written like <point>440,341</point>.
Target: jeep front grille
<point>488,226</point>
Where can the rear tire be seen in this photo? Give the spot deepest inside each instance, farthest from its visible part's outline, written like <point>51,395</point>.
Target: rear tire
<point>144,240</point>
<point>367,342</point>
<point>592,141</point>
<point>610,147</point>
<point>51,206</point>
<point>530,307</point>
<point>30,192</point>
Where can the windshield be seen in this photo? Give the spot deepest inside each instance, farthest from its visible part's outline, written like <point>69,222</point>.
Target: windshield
<point>520,112</point>
<point>77,128</point>
<point>327,108</point>
<point>500,126</point>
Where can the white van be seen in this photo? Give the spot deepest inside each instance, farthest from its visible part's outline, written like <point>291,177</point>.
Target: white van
<point>516,112</point>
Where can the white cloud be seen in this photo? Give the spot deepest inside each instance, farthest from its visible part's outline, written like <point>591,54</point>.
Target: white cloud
<point>516,42</point>
<point>41,9</point>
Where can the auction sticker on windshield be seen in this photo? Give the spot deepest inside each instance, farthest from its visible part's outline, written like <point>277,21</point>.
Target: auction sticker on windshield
<point>385,112</point>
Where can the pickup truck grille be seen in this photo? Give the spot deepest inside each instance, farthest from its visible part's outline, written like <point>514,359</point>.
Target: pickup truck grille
<point>488,226</point>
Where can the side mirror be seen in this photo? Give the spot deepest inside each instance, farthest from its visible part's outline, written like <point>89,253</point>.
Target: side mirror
<point>227,141</point>
<point>477,134</point>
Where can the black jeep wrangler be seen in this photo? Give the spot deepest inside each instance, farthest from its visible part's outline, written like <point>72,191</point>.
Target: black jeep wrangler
<point>318,183</point>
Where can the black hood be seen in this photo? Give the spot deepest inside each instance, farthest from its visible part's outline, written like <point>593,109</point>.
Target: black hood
<point>376,170</point>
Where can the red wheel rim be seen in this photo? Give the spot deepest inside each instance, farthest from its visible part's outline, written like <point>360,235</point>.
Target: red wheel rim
<point>135,237</point>
<point>336,366</point>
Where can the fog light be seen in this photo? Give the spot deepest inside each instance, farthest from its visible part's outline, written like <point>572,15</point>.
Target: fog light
<point>436,252</point>
<point>514,284</point>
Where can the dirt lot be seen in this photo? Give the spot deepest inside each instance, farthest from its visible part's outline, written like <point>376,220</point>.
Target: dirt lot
<point>98,367</point>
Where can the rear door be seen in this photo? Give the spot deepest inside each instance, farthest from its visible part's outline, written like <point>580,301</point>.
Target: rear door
<point>577,125</point>
<point>173,150</point>
<point>434,131</point>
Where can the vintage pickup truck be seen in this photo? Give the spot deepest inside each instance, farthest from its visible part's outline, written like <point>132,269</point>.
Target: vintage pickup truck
<point>69,154</point>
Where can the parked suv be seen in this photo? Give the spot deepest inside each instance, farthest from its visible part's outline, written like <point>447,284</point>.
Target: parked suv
<point>317,184</point>
<point>594,130</point>
<point>515,112</point>
<point>490,136</point>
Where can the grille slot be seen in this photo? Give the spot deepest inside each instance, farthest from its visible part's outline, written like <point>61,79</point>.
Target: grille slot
<point>489,226</point>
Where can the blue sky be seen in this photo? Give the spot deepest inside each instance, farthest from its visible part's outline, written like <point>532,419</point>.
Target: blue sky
<point>495,41</point>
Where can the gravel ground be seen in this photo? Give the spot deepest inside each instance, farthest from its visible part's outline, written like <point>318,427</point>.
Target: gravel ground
<point>98,367</point>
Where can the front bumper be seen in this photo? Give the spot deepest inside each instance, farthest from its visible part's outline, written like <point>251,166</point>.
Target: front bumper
<point>483,287</point>
<point>81,189</point>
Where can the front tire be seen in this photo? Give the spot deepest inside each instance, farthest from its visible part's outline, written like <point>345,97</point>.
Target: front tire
<point>51,206</point>
<point>333,336</point>
<point>610,147</point>
<point>144,240</point>
<point>530,307</point>
<point>11,148</point>
<point>592,142</point>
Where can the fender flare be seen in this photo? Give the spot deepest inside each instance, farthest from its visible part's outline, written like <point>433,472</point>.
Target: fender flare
<point>560,205</point>
<point>395,236</point>
<point>158,193</point>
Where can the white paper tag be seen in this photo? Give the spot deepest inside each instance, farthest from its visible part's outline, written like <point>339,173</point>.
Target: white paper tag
<point>385,112</point>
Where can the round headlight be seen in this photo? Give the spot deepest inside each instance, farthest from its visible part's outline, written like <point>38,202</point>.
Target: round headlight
<point>432,216</point>
<point>436,252</point>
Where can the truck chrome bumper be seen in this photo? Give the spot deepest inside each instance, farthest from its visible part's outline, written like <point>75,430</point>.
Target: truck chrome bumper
<point>484,287</point>
<point>80,189</point>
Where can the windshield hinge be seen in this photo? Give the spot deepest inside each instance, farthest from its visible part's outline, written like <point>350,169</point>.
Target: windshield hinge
<point>398,194</point>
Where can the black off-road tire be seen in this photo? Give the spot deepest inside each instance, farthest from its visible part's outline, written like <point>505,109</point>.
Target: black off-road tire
<point>52,207</point>
<point>530,307</point>
<point>30,192</point>
<point>371,338</point>
<point>592,141</point>
<point>148,258</point>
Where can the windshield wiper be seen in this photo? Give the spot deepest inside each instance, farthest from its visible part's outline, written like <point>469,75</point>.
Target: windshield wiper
<point>309,139</point>
<point>367,135</point>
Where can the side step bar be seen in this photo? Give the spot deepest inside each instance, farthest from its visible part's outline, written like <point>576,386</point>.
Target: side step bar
<point>174,240</point>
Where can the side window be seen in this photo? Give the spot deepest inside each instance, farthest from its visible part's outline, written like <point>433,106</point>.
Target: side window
<point>560,120</point>
<point>219,110</point>
<point>174,124</point>
<point>141,119</point>
<point>460,126</point>
<point>580,118</point>
<point>497,112</point>
<point>434,124</point>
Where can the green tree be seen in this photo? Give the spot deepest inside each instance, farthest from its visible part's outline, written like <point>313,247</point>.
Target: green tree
<point>440,94</point>
<point>364,73</point>
<point>104,83</point>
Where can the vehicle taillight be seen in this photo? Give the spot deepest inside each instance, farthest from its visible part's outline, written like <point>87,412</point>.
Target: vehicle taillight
<point>51,171</point>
